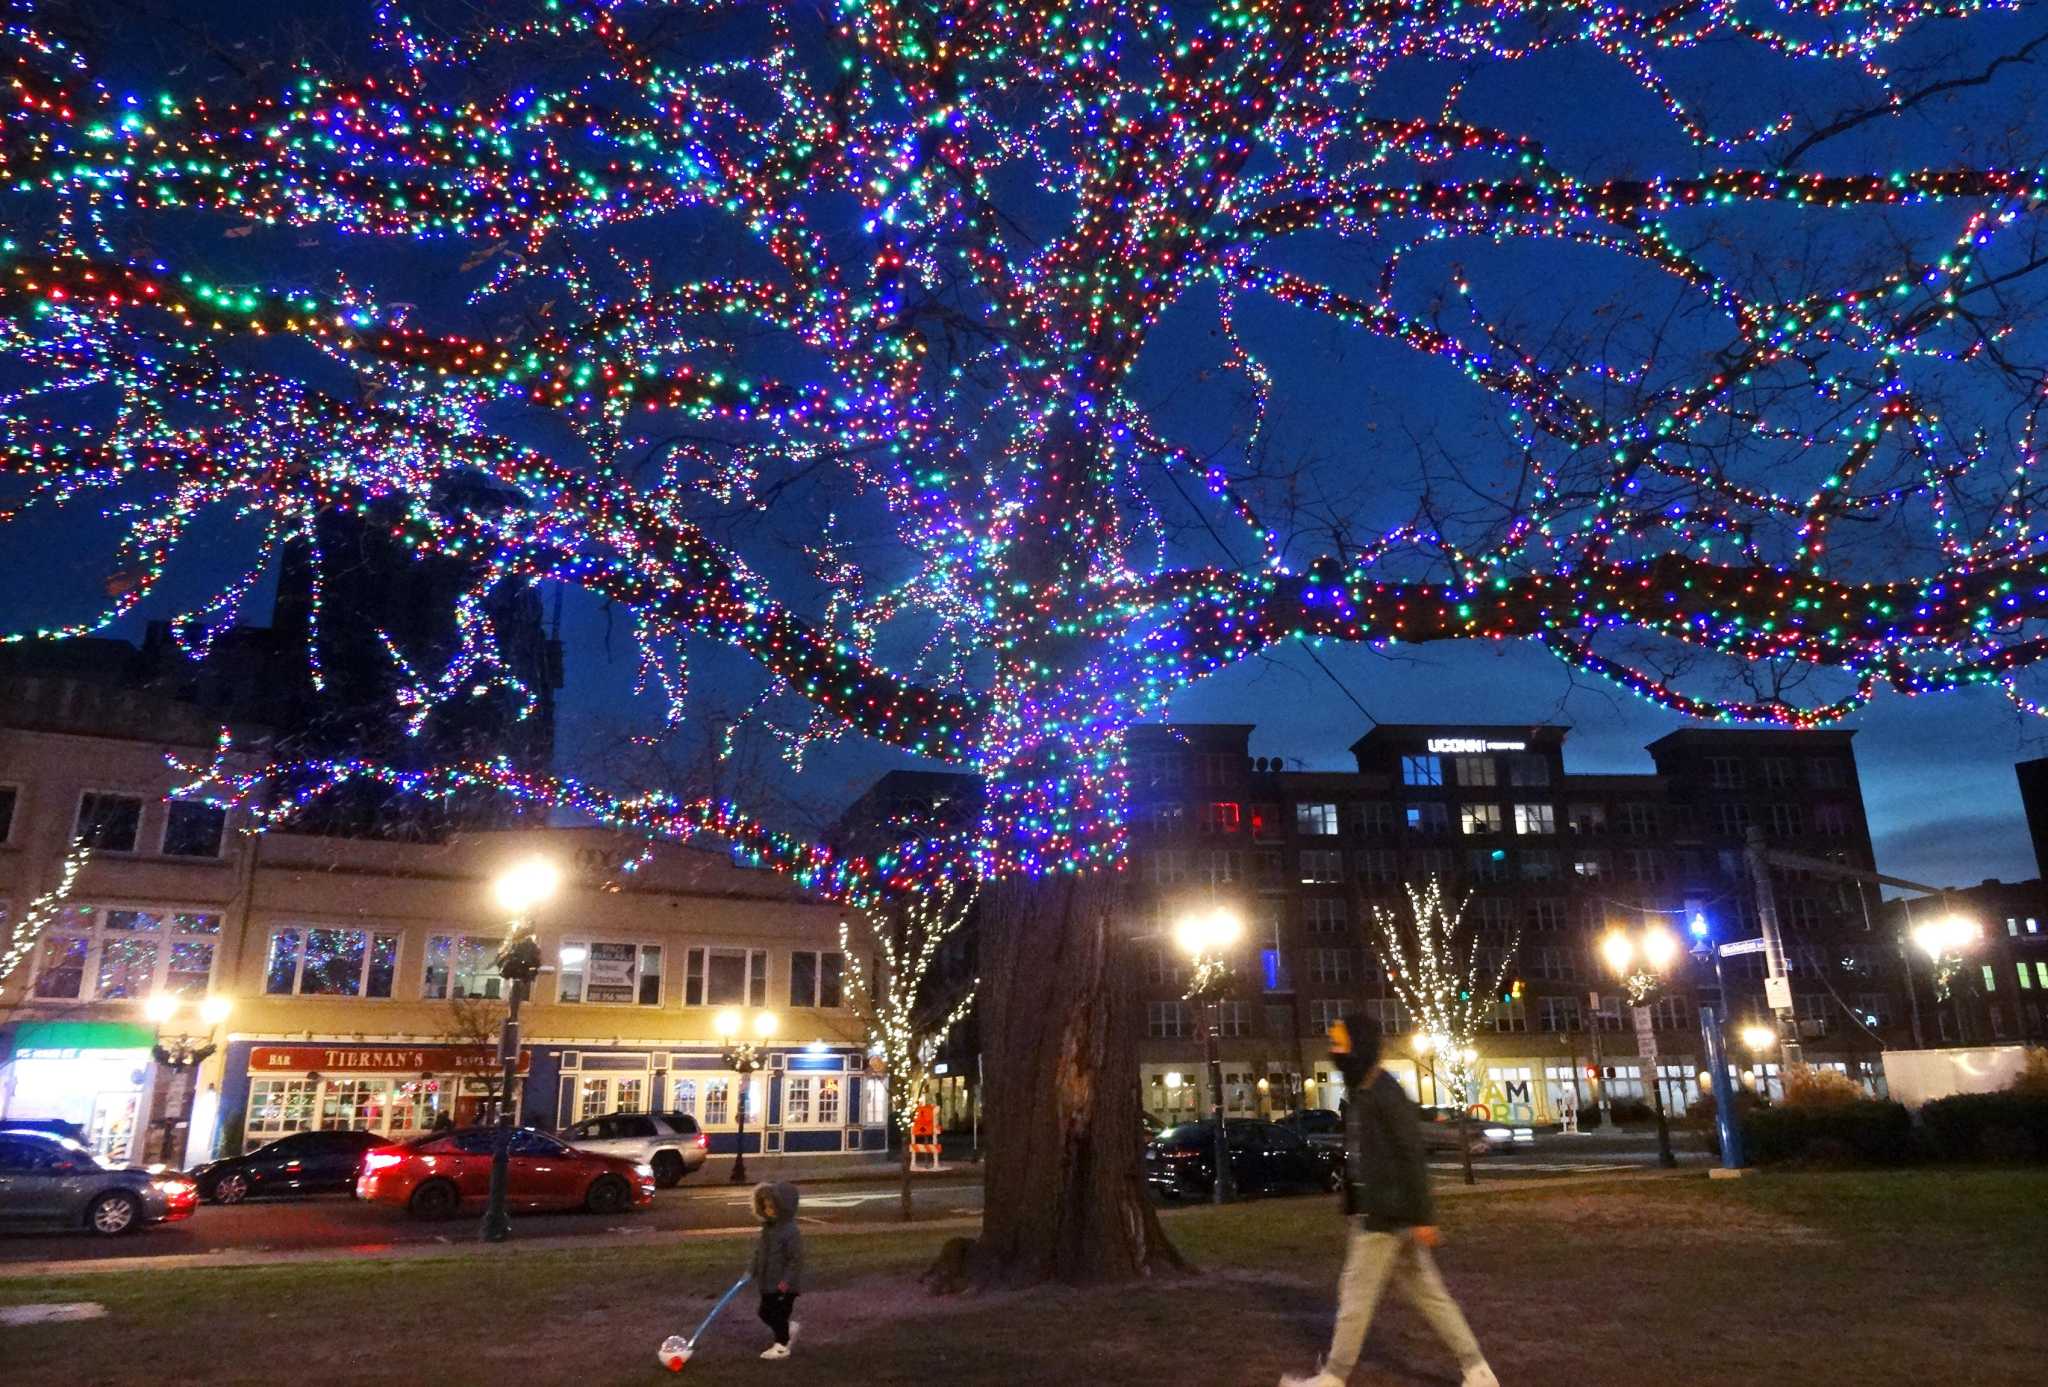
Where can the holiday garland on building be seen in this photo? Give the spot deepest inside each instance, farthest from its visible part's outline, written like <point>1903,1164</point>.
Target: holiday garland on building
<point>27,928</point>
<point>962,353</point>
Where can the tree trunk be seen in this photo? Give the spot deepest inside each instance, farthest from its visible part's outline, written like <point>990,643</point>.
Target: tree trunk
<point>907,1139</point>
<point>1063,1191</point>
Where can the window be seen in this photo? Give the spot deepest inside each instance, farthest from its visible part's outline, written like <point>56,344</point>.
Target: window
<point>110,823</point>
<point>1422,770</point>
<point>324,961</point>
<point>461,965</point>
<point>1220,865</point>
<point>1494,912</point>
<point>1265,823</point>
<point>817,979</point>
<point>1511,1018</point>
<point>1315,820</point>
<point>1670,1014</point>
<point>1787,821</point>
<point>1391,1014</point>
<point>1526,768</point>
<point>829,1106</point>
<point>1379,867</point>
<point>1476,771</point>
<point>1831,821</point>
<point>1324,1013</point>
<point>1221,769</point>
<point>1163,967</point>
<point>609,973</point>
<point>1724,772</point>
<point>1639,819</point>
<point>1558,1013</point>
<point>1645,864</point>
<point>1535,818</point>
<point>281,1106</point>
<point>1552,964</point>
<point>717,1102</point>
<point>1778,773</point>
<point>1875,1008</point>
<point>796,1100</point>
<point>1321,868</point>
<point>1537,864</point>
<point>1231,1021</point>
<point>1329,965</point>
<point>1548,913</point>
<point>1169,817</point>
<point>9,796</point>
<point>725,978</point>
<point>1169,867</point>
<point>193,828</point>
<point>1802,912</point>
<point>1486,865</point>
<point>1812,1008</point>
<point>93,953</point>
<point>1370,818</point>
<point>1166,1020</point>
<point>1220,816</point>
<point>1591,865</point>
<point>1827,773</point>
<point>1991,978</point>
<point>1587,818</point>
<point>1324,915</point>
<point>1478,819</point>
<point>1731,820</point>
<point>1431,819</point>
<point>1430,862</point>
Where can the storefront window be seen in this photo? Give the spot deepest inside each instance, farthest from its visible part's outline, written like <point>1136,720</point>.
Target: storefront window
<point>717,1094</point>
<point>796,1101</point>
<point>63,972</point>
<point>355,1105</point>
<point>874,1102</point>
<point>828,1101</point>
<point>278,1106</point>
<point>632,1095</point>
<point>462,965</point>
<point>317,961</point>
<point>685,1100</point>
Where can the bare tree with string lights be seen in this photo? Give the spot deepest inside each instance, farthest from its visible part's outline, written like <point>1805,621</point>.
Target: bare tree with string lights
<point>901,994</point>
<point>1438,970</point>
<point>857,344</point>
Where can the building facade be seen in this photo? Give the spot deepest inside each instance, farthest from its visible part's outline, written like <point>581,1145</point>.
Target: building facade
<point>1545,863</point>
<point>360,974</point>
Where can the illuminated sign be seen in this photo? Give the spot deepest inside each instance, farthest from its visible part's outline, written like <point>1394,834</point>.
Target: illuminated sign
<point>1459,746</point>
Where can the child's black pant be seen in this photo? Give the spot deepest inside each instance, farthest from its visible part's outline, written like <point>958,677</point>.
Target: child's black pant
<point>775,1311</point>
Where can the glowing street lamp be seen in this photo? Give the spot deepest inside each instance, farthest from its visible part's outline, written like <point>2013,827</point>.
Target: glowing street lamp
<point>1759,1040</point>
<point>1206,938</point>
<point>1639,964</point>
<point>1946,937</point>
<point>744,1058</point>
<point>520,889</point>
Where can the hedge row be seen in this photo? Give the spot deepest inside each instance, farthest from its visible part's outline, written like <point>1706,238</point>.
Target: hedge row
<point>1965,1127</point>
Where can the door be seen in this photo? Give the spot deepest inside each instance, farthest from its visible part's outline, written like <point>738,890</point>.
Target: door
<point>281,1166</point>
<point>544,1173</point>
<point>1287,1158</point>
<point>331,1159</point>
<point>1247,1163</point>
<point>18,1194</point>
<point>41,1180</point>
<point>472,1164</point>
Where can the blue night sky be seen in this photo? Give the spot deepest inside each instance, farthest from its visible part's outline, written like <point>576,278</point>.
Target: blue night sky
<point>1937,772</point>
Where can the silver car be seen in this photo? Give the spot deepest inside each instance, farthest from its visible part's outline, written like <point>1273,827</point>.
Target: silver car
<point>52,1180</point>
<point>671,1142</point>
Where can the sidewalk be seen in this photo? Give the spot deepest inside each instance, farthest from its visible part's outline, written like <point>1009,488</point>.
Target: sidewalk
<point>827,1169</point>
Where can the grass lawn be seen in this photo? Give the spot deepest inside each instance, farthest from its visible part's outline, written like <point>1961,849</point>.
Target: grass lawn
<point>1915,1277</point>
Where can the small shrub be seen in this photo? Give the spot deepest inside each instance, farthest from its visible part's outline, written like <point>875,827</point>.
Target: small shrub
<point>2009,1126</point>
<point>1808,1087</point>
<point>2032,1080</point>
<point>1632,1110</point>
<point>1859,1133</point>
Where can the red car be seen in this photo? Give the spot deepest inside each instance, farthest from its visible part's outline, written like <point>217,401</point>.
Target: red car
<point>435,1175</point>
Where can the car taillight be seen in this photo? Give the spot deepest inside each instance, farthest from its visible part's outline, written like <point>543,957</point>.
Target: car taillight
<point>380,1160</point>
<point>703,1142</point>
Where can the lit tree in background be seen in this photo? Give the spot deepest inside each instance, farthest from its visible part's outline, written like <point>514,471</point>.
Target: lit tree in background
<point>1435,967</point>
<point>900,995</point>
<point>879,285</point>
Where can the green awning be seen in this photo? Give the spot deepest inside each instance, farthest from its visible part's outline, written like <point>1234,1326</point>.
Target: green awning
<point>70,1037</point>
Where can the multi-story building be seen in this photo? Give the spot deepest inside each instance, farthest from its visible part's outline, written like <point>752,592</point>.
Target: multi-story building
<point>1544,863</point>
<point>1994,991</point>
<point>359,974</point>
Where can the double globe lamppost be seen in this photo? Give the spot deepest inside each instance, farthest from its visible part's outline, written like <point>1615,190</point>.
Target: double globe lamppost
<point>520,890</point>
<point>1640,963</point>
<point>744,1058</point>
<point>1207,937</point>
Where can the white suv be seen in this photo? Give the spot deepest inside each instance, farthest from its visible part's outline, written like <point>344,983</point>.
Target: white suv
<point>669,1141</point>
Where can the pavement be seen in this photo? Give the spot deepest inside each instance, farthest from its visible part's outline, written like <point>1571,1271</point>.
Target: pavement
<point>841,1195</point>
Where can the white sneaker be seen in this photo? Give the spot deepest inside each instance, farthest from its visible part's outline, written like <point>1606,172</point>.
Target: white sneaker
<point>1315,1379</point>
<point>775,1351</point>
<point>1479,1375</point>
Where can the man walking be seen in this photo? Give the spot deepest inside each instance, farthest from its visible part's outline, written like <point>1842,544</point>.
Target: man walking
<point>1386,1189</point>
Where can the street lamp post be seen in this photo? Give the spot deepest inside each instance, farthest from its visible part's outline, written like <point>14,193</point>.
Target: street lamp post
<point>520,890</point>
<point>1206,938</point>
<point>1714,1040</point>
<point>1640,964</point>
<point>1944,941</point>
<point>743,1057</point>
<point>181,1052</point>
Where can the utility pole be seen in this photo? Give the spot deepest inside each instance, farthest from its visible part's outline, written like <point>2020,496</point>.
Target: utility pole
<point>1777,980</point>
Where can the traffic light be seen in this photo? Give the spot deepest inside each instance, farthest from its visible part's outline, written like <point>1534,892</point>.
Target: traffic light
<point>1512,993</point>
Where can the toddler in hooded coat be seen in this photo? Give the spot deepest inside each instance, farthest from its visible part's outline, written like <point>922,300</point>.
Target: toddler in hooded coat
<point>778,1261</point>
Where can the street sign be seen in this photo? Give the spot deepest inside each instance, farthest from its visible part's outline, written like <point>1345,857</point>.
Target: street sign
<point>1646,1035</point>
<point>1742,946</point>
<point>1778,993</point>
<point>1645,1023</point>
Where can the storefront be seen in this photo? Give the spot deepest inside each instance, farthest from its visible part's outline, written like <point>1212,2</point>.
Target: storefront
<point>397,1090</point>
<point>92,1076</point>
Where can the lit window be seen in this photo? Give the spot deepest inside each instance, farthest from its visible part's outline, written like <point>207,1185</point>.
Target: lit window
<point>318,961</point>
<point>1422,770</point>
<point>461,965</point>
<point>1476,771</point>
<point>1479,818</point>
<point>1429,818</point>
<point>609,972</point>
<point>1535,818</point>
<point>1316,820</point>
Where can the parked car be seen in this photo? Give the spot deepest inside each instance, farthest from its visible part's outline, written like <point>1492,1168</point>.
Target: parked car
<point>302,1163</point>
<point>435,1175</point>
<point>46,1179</point>
<point>1441,1128</point>
<point>671,1142</point>
<point>1317,1126</point>
<point>1264,1157</point>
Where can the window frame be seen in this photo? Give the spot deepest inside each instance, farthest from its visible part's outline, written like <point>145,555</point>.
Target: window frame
<point>371,934</point>
<point>1535,820</point>
<point>1316,818</point>
<point>818,957</point>
<point>166,937</point>
<point>447,993</point>
<point>1487,816</point>
<point>134,847</point>
<point>697,971</point>
<point>220,842</point>
<point>1425,771</point>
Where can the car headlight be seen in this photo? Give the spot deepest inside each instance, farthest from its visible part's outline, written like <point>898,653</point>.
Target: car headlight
<point>173,1187</point>
<point>644,1170</point>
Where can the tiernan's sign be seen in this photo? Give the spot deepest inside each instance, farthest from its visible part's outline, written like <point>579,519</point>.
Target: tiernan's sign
<point>374,1059</point>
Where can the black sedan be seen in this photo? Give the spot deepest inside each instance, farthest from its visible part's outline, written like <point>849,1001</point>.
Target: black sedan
<point>1264,1157</point>
<point>51,1180</point>
<point>302,1163</point>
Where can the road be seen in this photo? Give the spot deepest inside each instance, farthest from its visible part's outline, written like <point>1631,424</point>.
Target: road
<point>338,1221</point>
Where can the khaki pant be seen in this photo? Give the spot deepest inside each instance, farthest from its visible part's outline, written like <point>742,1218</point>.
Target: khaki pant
<point>1373,1259</point>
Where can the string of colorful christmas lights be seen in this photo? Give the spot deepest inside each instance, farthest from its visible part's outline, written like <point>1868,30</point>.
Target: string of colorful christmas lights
<point>880,309</point>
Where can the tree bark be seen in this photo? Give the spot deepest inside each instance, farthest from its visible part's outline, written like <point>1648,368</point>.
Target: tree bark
<point>1063,1190</point>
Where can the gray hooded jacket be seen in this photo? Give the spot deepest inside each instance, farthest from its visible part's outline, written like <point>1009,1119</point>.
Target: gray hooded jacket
<point>779,1256</point>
